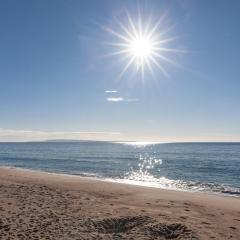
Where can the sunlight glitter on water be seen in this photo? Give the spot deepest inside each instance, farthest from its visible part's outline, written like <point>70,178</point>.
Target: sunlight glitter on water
<point>140,144</point>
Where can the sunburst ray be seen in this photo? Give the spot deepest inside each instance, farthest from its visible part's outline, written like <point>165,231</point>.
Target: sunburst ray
<point>142,44</point>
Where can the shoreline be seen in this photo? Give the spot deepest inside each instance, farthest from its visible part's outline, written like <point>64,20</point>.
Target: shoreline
<point>85,208</point>
<point>127,182</point>
<point>75,179</point>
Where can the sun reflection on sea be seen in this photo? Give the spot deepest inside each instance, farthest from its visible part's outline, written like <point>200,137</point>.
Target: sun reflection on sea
<point>140,144</point>
<point>143,173</point>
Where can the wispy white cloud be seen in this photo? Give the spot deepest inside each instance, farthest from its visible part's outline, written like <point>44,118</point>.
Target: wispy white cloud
<point>121,99</point>
<point>115,99</point>
<point>111,91</point>
<point>35,135</point>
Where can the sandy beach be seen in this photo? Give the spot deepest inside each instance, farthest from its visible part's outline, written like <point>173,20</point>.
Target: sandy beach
<point>37,205</point>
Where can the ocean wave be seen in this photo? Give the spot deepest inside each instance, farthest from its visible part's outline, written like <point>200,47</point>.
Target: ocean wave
<point>146,179</point>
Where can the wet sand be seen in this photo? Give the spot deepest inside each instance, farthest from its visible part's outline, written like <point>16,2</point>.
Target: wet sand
<point>36,205</point>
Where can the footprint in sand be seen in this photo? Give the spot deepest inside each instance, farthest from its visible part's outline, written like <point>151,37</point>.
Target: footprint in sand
<point>206,223</point>
<point>211,215</point>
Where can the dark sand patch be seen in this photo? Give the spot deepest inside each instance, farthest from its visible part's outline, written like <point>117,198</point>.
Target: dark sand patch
<point>141,227</point>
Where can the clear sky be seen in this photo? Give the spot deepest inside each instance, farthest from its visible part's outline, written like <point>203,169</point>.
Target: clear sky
<point>56,77</point>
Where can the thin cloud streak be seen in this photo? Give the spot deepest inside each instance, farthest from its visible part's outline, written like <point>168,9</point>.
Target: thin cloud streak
<point>7,135</point>
<point>115,99</point>
<point>121,99</point>
<point>111,91</point>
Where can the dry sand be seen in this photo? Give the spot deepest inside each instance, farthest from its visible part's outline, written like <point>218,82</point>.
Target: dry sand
<point>36,205</point>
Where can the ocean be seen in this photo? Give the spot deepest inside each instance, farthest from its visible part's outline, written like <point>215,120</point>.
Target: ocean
<point>199,167</point>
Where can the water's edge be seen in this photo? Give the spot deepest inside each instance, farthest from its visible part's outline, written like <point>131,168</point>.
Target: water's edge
<point>120,181</point>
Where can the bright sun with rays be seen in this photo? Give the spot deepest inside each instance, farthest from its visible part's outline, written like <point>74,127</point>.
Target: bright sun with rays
<point>141,48</point>
<point>143,45</point>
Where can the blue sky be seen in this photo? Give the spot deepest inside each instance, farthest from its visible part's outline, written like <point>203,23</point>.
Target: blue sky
<point>54,73</point>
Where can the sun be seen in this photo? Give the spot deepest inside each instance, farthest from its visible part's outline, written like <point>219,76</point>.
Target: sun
<point>141,48</point>
<point>142,45</point>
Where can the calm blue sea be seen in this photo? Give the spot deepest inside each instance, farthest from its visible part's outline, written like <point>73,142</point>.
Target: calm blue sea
<point>208,167</point>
